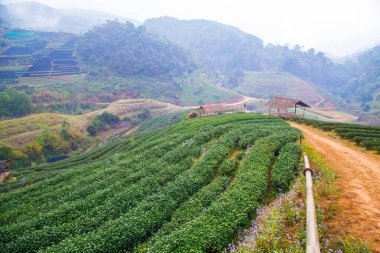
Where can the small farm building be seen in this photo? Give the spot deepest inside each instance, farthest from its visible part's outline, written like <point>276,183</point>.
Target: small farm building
<point>208,110</point>
<point>286,107</point>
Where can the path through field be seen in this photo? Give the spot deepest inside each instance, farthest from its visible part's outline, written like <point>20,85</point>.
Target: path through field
<point>358,183</point>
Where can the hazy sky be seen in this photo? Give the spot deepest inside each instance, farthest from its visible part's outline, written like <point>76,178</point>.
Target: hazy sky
<point>338,27</point>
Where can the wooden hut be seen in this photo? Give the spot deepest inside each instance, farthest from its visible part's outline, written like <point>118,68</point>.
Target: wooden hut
<point>283,107</point>
<point>208,110</point>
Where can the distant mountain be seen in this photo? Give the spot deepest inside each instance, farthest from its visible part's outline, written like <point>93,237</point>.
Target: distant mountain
<point>231,51</point>
<point>36,16</point>
<point>127,51</point>
<point>363,86</point>
<point>220,47</point>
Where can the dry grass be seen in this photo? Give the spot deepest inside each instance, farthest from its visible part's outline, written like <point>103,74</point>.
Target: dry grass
<point>17,132</point>
<point>268,84</point>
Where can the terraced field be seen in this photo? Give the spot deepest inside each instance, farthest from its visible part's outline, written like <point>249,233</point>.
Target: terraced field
<point>268,85</point>
<point>36,54</point>
<point>186,187</point>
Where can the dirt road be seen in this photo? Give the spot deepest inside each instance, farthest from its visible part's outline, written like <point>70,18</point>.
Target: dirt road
<point>358,183</point>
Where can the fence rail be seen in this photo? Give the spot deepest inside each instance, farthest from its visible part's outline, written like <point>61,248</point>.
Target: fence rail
<point>312,239</point>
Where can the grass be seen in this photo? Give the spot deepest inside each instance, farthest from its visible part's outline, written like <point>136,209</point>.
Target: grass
<point>281,225</point>
<point>363,135</point>
<point>198,89</point>
<point>13,68</point>
<point>17,132</point>
<point>270,77</point>
<point>268,85</point>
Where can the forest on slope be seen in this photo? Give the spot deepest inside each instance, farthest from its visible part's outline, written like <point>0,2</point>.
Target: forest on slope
<point>125,50</point>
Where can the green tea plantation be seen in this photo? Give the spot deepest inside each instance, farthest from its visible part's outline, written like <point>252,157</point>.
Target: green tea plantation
<point>185,187</point>
<point>363,135</point>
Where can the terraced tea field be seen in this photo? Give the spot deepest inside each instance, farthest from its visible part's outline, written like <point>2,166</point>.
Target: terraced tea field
<point>363,135</point>
<point>268,85</point>
<point>36,54</point>
<point>186,187</point>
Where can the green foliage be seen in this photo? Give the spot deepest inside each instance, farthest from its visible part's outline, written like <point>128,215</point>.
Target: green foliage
<point>162,121</point>
<point>363,135</point>
<point>6,153</point>
<point>188,186</point>
<point>220,47</point>
<point>14,103</point>
<point>102,122</point>
<point>352,245</point>
<point>142,55</point>
<point>34,152</point>
<point>286,166</point>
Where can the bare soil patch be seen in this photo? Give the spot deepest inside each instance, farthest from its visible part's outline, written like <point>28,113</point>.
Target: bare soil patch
<point>4,176</point>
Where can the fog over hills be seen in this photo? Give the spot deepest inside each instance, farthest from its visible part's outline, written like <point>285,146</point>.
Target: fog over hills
<point>36,16</point>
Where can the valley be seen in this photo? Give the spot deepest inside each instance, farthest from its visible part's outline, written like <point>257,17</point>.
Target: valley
<point>124,136</point>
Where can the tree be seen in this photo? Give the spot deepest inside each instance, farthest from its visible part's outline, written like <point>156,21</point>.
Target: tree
<point>102,122</point>
<point>34,152</point>
<point>91,129</point>
<point>65,130</point>
<point>6,153</point>
<point>127,51</point>
<point>15,103</point>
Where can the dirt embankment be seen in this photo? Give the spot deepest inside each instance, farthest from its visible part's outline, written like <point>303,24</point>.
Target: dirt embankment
<point>358,182</point>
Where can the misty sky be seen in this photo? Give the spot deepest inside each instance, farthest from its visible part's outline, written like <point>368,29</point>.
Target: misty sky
<point>338,27</point>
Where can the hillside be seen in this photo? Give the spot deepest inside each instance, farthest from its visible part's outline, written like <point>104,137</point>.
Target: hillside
<point>364,86</point>
<point>220,47</point>
<point>15,133</point>
<point>143,55</point>
<point>36,16</point>
<point>352,85</point>
<point>269,84</point>
<point>198,181</point>
<point>61,79</point>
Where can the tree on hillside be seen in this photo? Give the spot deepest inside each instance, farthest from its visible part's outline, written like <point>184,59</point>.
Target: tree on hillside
<point>14,103</point>
<point>34,152</point>
<point>102,122</point>
<point>128,51</point>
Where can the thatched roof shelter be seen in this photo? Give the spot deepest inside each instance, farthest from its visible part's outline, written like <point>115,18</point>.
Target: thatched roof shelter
<point>211,109</point>
<point>281,106</point>
<point>207,110</point>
